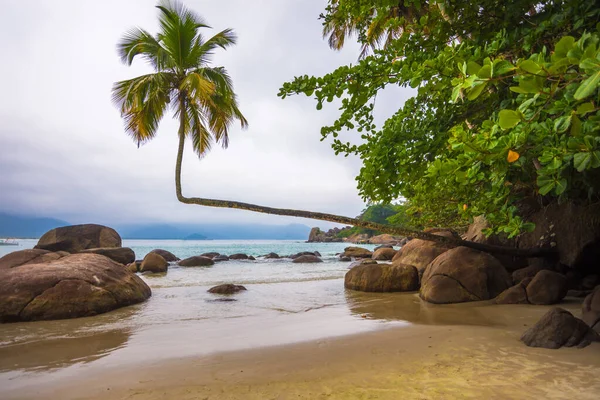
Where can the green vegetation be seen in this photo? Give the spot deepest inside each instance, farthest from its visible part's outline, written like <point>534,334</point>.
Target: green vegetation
<point>385,214</point>
<point>506,108</point>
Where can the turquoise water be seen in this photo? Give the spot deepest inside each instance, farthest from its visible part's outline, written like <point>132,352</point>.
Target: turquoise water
<point>284,303</point>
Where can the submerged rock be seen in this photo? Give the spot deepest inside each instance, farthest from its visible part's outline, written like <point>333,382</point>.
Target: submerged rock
<point>307,259</point>
<point>238,256</point>
<point>196,261</point>
<point>167,255</point>
<point>558,328</point>
<point>75,238</point>
<point>382,278</point>
<point>122,255</point>
<point>73,286</point>
<point>463,274</point>
<point>155,263</point>
<point>251,258</point>
<point>221,257</point>
<point>226,288</point>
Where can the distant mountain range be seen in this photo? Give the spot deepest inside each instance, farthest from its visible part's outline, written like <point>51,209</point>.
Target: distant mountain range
<point>33,227</point>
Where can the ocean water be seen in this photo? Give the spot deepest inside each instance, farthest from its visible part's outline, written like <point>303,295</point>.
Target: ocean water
<point>284,303</point>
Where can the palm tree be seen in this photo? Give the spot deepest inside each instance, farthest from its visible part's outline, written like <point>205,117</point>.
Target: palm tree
<point>203,100</point>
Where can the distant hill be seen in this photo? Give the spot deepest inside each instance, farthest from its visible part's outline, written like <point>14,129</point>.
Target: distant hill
<point>33,227</point>
<point>27,227</point>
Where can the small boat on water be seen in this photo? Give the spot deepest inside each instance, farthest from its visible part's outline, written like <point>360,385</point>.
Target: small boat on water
<point>8,242</point>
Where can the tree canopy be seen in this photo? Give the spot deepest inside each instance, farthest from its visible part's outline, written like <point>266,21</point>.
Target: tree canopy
<point>506,109</point>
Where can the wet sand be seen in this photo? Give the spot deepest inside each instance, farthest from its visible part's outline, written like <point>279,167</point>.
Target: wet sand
<point>464,351</point>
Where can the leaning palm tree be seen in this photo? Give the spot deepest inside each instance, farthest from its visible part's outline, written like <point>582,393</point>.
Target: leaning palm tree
<point>201,97</point>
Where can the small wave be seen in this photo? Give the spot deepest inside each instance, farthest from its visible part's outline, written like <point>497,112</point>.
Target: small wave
<point>246,282</point>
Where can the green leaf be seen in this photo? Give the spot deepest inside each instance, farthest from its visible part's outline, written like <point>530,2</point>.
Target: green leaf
<point>585,108</point>
<point>530,85</point>
<point>581,161</point>
<point>590,63</point>
<point>587,87</point>
<point>563,46</point>
<point>455,93</point>
<point>547,188</point>
<point>530,66</point>
<point>319,105</point>
<point>503,67</point>
<point>528,227</point>
<point>508,119</point>
<point>485,72</point>
<point>575,126</point>
<point>473,68</point>
<point>561,186</point>
<point>476,91</point>
<point>562,124</point>
<point>517,89</point>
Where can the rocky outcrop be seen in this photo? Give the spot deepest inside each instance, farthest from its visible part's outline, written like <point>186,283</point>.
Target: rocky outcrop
<point>332,235</point>
<point>304,259</point>
<point>384,254</point>
<point>155,263</point>
<point>122,255</point>
<point>72,286</point>
<point>357,252</point>
<point>226,288</point>
<point>463,274</point>
<point>591,309</point>
<point>547,287</point>
<point>382,278</point>
<point>167,255</point>
<point>420,253</point>
<point>558,328</point>
<point>196,261</point>
<point>238,256</point>
<point>76,238</point>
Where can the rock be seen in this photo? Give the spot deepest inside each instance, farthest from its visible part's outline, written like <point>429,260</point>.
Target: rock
<point>155,263</point>
<point>590,282</point>
<point>527,272</point>
<point>227,288</point>
<point>385,239</point>
<point>303,253</point>
<point>558,328</point>
<point>196,261</point>
<point>316,253</point>
<point>383,246</point>
<point>221,257</point>
<point>463,274</point>
<point>591,309</point>
<point>30,256</point>
<point>75,238</point>
<point>357,252</point>
<point>572,229</point>
<point>307,259</point>
<point>238,256</point>
<point>251,258</point>
<point>210,255</point>
<point>122,255</point>
<point>516,294</point>
<point>133,267</point>
<point>272,255</point>
<point>420,253</point>
<point>382,278</point>
<point>345,259</point>
<point>547,287</point>
<point>315,235</point>
<point>73,286</point>
<point>362,261</point>
<point>167,255</point>
<point>578,293</point>
<point>384,254</point>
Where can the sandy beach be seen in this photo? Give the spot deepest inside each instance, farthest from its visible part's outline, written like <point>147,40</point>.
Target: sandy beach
<point>464,351</point>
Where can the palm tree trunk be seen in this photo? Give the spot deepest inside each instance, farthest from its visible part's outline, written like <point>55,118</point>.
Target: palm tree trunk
<point>390,229</point>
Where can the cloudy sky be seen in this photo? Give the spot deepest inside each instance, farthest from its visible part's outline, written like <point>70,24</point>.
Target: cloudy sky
<point>63,150</point>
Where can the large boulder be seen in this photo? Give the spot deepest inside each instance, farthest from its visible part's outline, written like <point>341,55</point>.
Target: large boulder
<point>384,254</point>
<point>362,261</point>
<point>558,328</point>
<point>527,272</point>
<point>226,288</point>
<point>547,287</point>
<point>122,255</point>
<point>155,263</point>
<point>385,239</point>
<point>382,278</point>
<point>75,238</point>
<point>167,255</point>
<point>516,294</point>
<point>357,252</point>
<point>73,286</point>
<point>304,259</point>
<point>591,309</point>
<point>196,261</point>
<point>420,253</point>
<point>29,256</point>
<point>463,274</point>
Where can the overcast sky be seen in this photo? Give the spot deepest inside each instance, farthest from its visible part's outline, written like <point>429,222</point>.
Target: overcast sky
<point>64,152</point>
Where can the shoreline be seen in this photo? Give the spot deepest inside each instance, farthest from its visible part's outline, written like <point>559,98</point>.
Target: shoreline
<point>419,361</point>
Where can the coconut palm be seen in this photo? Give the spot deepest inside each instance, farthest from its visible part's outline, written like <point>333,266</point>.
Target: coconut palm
<point>201,97</point>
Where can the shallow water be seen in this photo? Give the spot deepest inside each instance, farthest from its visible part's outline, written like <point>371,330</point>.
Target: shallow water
<point>285,303</point>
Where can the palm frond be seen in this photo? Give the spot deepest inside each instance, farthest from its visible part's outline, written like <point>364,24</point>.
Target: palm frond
<point>142,102</point>
<point>201,137</point>
<point>138,42</point>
